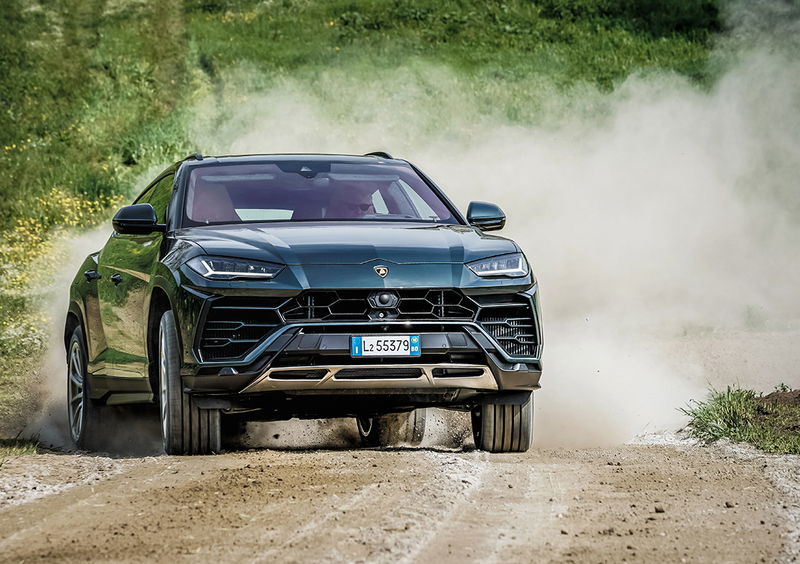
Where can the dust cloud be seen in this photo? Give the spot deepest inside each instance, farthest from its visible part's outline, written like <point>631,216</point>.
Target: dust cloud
<point>442,429</point>
<point>49,425</point>
<point>661,219</point>
<point>136,430</point>
<point>298,434</point>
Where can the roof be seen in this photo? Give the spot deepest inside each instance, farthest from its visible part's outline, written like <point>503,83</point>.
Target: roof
<point>291,157</point>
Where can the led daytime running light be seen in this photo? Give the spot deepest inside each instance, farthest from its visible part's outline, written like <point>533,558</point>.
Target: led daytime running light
<point>511,266</point>
<point>218,268</point>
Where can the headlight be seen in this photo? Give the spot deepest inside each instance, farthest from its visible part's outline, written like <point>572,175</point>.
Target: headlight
<point>512,266</point>
<point>219,268</point>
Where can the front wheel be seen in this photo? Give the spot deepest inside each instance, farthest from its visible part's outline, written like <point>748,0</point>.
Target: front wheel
<point>185,428</point>
<point>85,418</point>
<point>393,429</point>
<point>503,427</point>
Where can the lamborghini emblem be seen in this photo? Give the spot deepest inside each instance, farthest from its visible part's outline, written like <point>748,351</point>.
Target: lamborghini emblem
<point>381,271</point>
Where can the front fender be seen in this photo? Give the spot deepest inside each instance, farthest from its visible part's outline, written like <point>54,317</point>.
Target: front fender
<point>184,303</point>
<point>84,304</point>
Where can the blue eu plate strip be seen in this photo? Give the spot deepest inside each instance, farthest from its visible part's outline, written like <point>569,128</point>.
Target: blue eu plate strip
<point>355,346</point>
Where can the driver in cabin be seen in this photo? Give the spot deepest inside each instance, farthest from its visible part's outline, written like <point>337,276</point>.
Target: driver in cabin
<point>351,201</point>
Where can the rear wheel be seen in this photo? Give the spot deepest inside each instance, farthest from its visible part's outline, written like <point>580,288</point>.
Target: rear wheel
<point>503,427</point>
<point>393,429</point>
<point>84,416</point>
<point>185,428</point>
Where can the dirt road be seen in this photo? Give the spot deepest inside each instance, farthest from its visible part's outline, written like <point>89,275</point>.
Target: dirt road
<point>636,503</point>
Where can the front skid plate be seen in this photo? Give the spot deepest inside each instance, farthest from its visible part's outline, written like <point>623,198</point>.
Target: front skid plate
<point>271,380</point>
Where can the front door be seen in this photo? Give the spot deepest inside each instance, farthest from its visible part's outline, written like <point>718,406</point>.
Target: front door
<point>125,266</point>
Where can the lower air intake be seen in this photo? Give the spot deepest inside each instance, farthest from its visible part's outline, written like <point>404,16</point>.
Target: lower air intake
<point>457,372</point>
<point>378,373</point>
<point>299,374</point>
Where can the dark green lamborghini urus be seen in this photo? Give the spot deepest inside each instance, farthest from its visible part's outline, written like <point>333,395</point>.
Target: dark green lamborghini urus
<point>267,287</point>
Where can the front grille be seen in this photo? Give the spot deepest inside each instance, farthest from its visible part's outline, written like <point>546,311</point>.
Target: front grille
<point>235,325</point>
<point>360,305</point>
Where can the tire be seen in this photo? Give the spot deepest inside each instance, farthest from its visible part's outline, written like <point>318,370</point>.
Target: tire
<point>185,428</point>
<point>85,418</point>
<point>500,427</point>
<point>393,429</point>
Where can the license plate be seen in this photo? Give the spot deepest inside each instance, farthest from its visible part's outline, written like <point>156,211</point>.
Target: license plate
<point>385,345</point>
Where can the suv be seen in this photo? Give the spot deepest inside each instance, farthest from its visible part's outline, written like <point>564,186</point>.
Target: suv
<point>266,287</point>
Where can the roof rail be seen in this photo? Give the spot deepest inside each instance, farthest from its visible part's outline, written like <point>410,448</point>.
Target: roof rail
<point>195,156</point>
<point>381,154</point>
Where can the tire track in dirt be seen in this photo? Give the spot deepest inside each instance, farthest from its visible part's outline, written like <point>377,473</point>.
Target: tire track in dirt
<point>517,504</point>
<point>377,523</point>
<point>25,478</point>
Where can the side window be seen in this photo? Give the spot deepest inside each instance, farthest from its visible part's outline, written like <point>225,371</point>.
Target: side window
<point>398,201</point>
<point>423,209</point>
<point>159,196</point>
<point>378,204</point>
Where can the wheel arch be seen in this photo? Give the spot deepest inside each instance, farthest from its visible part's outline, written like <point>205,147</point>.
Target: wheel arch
<point>159,303</point>
<point>74,319</point>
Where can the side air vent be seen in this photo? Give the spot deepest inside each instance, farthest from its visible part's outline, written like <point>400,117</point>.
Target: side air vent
<point>509,319</point>
<point>234,325</point>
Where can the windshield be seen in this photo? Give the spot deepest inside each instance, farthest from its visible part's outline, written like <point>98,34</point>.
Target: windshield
<point>309,191</point>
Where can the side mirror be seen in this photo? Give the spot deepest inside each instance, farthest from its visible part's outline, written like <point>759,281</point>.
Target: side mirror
<point>138,219</point>
<point>485,216</point>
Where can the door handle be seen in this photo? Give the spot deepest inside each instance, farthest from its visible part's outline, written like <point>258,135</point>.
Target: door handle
<point>116,279</point>
<point>92,275</point>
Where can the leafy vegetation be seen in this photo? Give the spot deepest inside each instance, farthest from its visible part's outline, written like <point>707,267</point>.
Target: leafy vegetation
<point>96,92</point>
<point>771,423</point>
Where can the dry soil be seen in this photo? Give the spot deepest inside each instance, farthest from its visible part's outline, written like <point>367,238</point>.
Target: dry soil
<point>634,503</point>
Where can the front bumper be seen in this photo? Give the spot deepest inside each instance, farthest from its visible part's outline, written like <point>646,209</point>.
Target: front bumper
<point>316,357</point>
<point>253,348</point>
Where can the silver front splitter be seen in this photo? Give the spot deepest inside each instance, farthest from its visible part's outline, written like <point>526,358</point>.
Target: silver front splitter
<point>271,379</point>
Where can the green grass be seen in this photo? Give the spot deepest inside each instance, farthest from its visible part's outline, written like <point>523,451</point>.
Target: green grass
<point>512,57</point>
<point>596,41</point>
<point>17,447</point>
<point>88,95</point>
<point>769,423</point>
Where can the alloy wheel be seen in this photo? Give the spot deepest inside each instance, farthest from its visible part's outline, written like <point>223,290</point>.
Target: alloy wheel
<point>75,391</point>
<point>162,380</point>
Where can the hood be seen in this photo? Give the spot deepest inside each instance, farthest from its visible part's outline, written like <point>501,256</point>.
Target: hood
<point>327,243</point>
